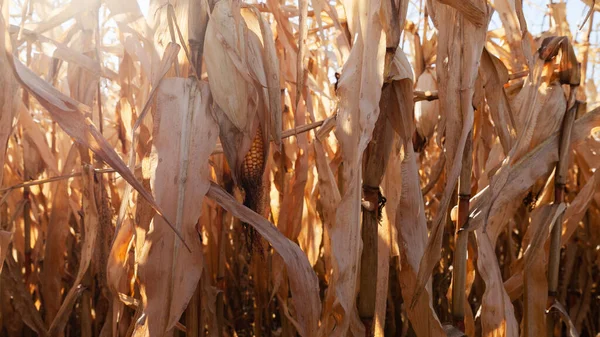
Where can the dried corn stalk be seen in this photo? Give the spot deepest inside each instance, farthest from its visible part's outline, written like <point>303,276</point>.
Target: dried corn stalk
<point>460,44</point>
<point>359,93</point>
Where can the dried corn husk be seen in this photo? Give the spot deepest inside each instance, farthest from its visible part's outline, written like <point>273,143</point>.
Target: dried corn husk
<point>243,75</point>
<point>426,113</point>
<point>226,63</point>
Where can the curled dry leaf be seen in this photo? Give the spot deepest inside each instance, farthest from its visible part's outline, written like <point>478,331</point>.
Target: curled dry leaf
<point>494,75</point>
<point>565,316</point>
<point>537,128</point>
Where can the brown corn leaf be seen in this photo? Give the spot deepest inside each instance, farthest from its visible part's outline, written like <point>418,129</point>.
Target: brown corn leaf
<point>401,98</point>
<point>303,281</point>
<point>168,274</point>
<point>412,239</point>
<point>497,315</point>
<point>329,196</point>
<point>572,331</point>
<point>536,129</point>
<point>8,99</point>
<point>116,269</point>
<point>90,223</point>
<point>58,231</point>
<point>68,113</point>
<point>37,137</point>
<point>66,53</point>
<point>535,281</point>
<point>578,207</point>
<point>574,213</point>
<point>311,226</point>
<point>524,173</point>
<point>162,69</point>
<point>5,240</point>
<point>472,10</point>
<point>292,203</point>
<point>13,286</point>
<point>494,75</point>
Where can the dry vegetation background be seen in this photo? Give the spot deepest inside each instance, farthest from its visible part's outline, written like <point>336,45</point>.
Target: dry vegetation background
<point>426,172</point>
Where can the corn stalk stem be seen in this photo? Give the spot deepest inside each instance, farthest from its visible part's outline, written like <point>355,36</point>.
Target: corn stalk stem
<point>459,275</point>
<point>368,270</point>
<point>375,160</point>
<point>26,221</point>
<point>221,273</point>
<point>559,188</point>
<point>86,306</point>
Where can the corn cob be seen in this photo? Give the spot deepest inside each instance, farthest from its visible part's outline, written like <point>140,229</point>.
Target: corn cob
<point>251,174</point>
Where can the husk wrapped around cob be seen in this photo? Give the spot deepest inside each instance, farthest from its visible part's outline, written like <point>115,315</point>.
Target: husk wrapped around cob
<point>243,75</point>
<point>426,113</point>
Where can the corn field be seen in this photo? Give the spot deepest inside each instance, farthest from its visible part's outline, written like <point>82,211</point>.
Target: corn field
<point>299,168</point>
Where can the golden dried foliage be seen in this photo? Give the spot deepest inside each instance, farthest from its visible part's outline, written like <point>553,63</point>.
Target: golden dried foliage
<point>283,168</point>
